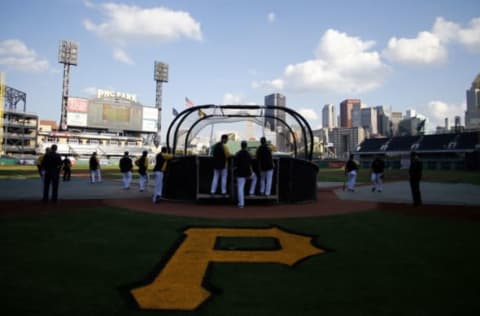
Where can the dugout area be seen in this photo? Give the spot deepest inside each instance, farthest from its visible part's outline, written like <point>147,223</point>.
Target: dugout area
<point>189,176</point>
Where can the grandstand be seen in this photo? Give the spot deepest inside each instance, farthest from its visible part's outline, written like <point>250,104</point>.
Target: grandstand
<point>437,142</point>
<point>109,125</point>
<point>438,151</point>
<point>84,144</point>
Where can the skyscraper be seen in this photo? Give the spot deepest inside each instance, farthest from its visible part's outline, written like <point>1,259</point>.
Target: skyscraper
<point>395,119</point>
<point>357,115</point>
<point>369,120</point>
<point>346,107</point>
<point>383,120</point>
<point>410,113</point>
<point>271,100</point>
<point>277,100</point>
<point>472,115</point>
<point>328,116</point>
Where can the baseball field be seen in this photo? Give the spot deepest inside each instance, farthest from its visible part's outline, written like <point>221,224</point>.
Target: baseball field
<point>102,250</point>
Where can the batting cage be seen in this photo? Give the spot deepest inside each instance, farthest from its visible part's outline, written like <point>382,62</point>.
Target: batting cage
<point>190,174</point>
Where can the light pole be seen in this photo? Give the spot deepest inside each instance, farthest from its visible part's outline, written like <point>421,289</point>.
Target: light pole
<point>67,55</point>
<point>160,75</point>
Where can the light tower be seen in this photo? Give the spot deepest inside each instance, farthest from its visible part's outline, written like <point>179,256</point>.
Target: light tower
<point>160,75</point>
<point>67,55</point>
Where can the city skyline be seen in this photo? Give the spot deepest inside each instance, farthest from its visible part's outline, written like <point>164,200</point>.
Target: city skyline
<point>422,56</point>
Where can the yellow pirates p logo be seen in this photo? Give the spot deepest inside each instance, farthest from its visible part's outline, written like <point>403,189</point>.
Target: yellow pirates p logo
<point>178,286</point>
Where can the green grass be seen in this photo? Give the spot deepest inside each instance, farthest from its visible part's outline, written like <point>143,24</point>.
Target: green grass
<point>378,263</point>
<point>31,172</point>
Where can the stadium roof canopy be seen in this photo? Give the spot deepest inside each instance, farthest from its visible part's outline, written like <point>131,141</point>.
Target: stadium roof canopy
<point>190,122</point>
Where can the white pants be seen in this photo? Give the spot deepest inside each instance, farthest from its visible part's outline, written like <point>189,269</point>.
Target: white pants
<point>216,174</point>
<point>266,182</point>
<point>143,181</point>
<point>241,188</point>
<point>158,185</point>
<point>352,178</point>
<point>127,179</point>
<point>95,176</point>
<point>377,181</point>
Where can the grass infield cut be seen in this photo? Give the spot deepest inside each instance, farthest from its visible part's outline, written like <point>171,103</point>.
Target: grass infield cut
<point>80,262</point>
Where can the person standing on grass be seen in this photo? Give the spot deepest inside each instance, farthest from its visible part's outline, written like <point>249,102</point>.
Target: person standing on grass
<point>41,171</point>
<point>243,164</point>
<point>126,166</point>
<point>94,166</point>
<point>142,164</point>
<point>265,165</point>
<point>67,168</point>
<point>351,168</point>
<point>220,165</point>
<point>51,164</point>
<point>161,161</point>
<point>378,169</point>
<point>415,173</point>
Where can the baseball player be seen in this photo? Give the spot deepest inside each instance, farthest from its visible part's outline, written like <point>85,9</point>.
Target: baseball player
<point>126,166</point>
<point>161,161</point>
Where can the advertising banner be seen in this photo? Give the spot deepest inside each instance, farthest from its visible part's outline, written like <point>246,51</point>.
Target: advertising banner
<point>149,125</point>
<point>77,105</point>
<point>150,113</point>
<point>76,119</point>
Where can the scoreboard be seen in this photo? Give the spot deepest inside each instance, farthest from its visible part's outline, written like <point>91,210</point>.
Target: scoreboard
<point>111,110</point>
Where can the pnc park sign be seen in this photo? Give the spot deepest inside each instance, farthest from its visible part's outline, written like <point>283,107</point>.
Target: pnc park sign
<point>178,286</point>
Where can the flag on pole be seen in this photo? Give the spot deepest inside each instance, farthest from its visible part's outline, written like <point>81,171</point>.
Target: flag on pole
<point>174,112</point>
<point>188,103</point>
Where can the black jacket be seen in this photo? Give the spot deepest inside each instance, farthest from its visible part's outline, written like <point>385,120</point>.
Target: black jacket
<point>243,162</point>
<point>125,164</point>
<point>93,163</point>
<point>264,158</point>
<point>159,160</point>
<point>415,171</point>
<point>378,166</point>
<point>219,157</point>
<point>52,163</point>
<point>350,166</point>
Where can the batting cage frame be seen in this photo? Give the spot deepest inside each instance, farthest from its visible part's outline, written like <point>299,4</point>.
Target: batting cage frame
<point>189,176</point>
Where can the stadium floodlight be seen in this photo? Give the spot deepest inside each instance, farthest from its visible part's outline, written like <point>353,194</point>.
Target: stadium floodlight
<point>160,75</point>
<point>161,72</point>
<point>67,55</point>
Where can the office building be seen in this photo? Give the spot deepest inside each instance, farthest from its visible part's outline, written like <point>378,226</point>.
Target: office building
<point>472,115</point>
<point>273,119</point>
<point>346,107</point>
<point>329,117</point>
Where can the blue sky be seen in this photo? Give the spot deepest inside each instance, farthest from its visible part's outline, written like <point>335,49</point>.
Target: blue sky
<point>406,54</point>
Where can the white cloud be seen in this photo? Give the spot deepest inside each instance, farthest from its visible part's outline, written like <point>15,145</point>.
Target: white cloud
<point>445,30</point>
<point>309,114</point>
<point>123,23</point>
<point>15,54</point>
<point>439,110</point>
<point>271,17</point>
<point>232,99</point>
<point>121,56</point>
<point>449,31</point>
<point>426,48</point>
<point>430,47</point>
<point>342,64</point>
<point>88,4</point>
<point>470,37</point>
